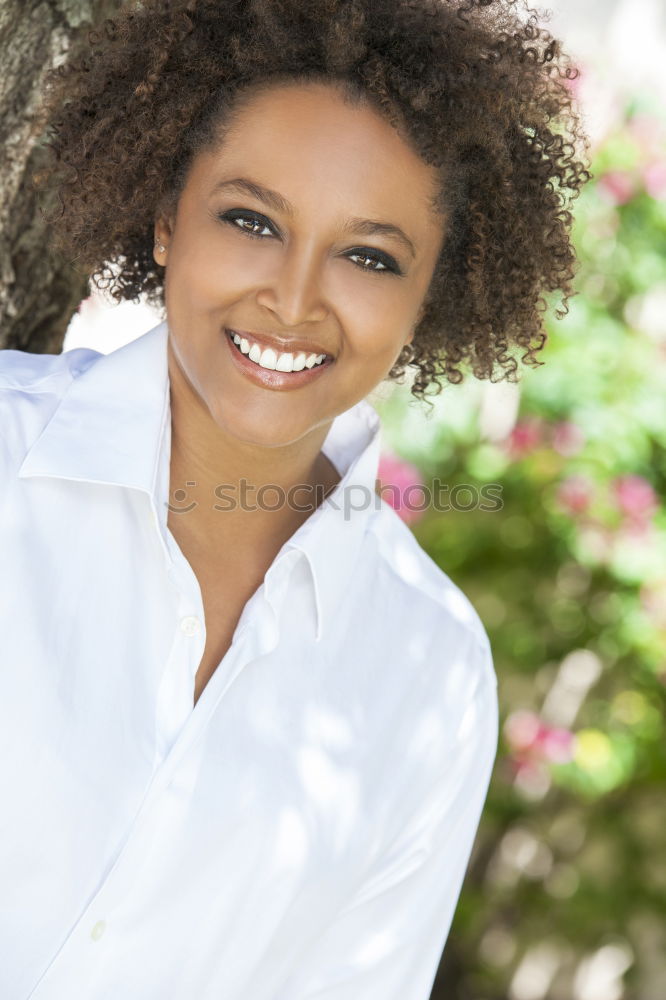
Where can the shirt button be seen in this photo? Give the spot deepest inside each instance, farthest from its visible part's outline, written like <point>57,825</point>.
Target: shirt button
<point>190,625</point>
<point>98,930</point>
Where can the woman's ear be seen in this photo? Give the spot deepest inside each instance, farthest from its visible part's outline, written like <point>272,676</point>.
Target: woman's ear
<point>161,236</point>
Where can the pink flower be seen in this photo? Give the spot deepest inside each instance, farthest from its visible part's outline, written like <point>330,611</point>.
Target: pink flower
<point>654,178</point>
<point>525,436</point>
<point>567,438</point>
<point>532,740</point>
<point>399,483</point>
<point>521,730</point>
<point>555,744</point>
<point>575,494</point>
<point>635,497</point>
<point>618,186</point>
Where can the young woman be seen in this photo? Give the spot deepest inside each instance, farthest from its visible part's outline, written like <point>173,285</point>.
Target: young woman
<point>247,725</point>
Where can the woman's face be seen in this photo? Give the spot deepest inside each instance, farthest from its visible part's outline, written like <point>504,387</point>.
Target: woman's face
<point>280,257</point>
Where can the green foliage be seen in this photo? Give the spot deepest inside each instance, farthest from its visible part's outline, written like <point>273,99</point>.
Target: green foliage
<point>569,577</point>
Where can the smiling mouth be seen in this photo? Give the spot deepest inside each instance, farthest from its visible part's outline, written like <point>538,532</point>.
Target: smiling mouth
<point>284,362</point>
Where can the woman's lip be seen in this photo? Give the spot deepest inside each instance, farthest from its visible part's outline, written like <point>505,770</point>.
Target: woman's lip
<point>269,378</point>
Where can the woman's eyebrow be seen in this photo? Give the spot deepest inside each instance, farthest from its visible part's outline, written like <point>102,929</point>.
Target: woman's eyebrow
<point>357,226</point>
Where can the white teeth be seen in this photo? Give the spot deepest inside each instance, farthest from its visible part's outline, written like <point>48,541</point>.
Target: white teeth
<point>285,363</point>
<point>268,358</point>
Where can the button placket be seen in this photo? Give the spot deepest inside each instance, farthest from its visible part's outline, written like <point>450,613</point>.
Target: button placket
<point>174,703</point>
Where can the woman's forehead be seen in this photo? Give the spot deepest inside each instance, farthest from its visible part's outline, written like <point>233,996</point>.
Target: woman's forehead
<point>305,137</point>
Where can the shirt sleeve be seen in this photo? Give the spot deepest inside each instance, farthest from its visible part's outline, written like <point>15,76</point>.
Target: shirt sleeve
<point>387,943</point>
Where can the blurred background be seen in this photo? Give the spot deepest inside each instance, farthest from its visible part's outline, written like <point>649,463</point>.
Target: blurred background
<point>565,895</point>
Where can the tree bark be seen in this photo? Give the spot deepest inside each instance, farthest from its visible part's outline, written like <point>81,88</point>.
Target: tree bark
<point>39,292</point>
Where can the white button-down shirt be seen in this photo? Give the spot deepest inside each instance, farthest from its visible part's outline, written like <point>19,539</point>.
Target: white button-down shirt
<point>302,831</point>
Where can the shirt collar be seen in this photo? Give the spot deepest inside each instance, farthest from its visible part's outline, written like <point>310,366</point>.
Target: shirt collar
<point>109,428</point>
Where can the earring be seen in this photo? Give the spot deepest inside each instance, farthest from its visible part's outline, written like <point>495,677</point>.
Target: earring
<point>159,247</point>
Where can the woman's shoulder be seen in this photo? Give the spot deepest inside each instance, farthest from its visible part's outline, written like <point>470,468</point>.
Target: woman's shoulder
<point>432,651</point>
<point>25,371</point>
<point>417,588</point>
<point>31,388</point>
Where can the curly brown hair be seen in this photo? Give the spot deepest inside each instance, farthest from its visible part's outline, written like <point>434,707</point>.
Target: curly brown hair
<point>479,94</point>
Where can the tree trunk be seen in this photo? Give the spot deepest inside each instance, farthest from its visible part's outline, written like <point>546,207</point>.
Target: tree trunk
<point>39,292</point>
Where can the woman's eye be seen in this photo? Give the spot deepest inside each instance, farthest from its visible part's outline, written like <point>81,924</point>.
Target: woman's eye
<point>253,220</point>
<point>386,264</point>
